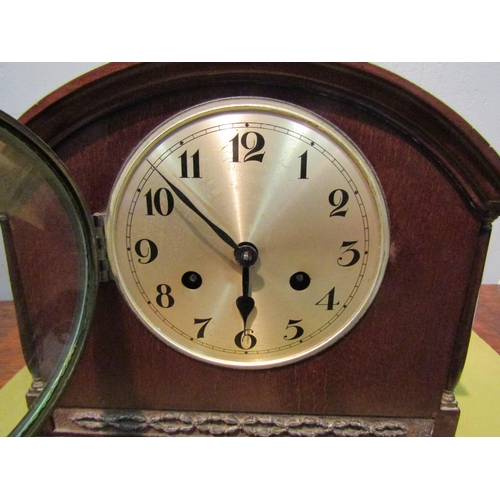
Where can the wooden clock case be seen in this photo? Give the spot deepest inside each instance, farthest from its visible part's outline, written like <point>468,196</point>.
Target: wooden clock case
<point>395,372</point>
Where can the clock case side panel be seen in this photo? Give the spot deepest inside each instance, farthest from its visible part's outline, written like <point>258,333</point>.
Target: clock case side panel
<point>471,167</point>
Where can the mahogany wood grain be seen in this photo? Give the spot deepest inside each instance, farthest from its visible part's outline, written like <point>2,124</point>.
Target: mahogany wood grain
<point>486,325</point>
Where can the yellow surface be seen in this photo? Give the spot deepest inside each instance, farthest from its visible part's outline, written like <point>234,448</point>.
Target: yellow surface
<point>13,405</point>
<point>478,394</point>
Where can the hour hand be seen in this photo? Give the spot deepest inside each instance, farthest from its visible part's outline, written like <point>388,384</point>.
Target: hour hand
<point>245,303</point>
<point>246,255</point>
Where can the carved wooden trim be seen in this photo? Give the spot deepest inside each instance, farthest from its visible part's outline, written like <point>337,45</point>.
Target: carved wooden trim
<point>70,421</point>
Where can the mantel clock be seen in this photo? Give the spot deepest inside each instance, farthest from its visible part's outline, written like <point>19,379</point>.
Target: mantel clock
<point>264,249</point>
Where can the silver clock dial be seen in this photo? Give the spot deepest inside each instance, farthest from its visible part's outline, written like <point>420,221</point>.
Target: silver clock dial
<point>248,233</point>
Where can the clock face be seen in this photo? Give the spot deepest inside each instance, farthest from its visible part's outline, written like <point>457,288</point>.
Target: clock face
<point>247,233</point>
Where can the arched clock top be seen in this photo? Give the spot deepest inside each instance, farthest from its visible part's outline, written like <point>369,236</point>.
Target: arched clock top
<point>458,150</point>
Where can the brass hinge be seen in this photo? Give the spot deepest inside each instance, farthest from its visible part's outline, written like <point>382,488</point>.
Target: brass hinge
<point>102,256</point>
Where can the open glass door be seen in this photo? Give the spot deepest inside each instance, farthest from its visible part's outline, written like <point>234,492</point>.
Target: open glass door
<point>48,235</point>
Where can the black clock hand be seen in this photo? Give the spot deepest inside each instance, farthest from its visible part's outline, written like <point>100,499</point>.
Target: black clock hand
<point>246,255</point>
<point>218,231</point>
<point>245,303</point>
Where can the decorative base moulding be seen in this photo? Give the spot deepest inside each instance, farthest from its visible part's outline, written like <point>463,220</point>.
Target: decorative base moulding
<point>97,422</point>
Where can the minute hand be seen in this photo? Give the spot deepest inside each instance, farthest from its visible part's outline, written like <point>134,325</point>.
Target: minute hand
<point>217,230</point>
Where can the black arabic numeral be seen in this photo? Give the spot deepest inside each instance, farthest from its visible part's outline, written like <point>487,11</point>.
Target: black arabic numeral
<point>196,165</point>
<point>303,165</point>
<point>338,201</point>
<point>355,254</point>
<point>330,300</point>
<point>245,340</point>
<point>204,323</point>
<point>164,299</point>
<point>146,250</point>
<point>156,203</point>
<point>292,323</point>
<point>251,141</point>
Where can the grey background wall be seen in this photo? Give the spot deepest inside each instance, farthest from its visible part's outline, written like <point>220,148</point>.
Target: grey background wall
<point>471,89</point>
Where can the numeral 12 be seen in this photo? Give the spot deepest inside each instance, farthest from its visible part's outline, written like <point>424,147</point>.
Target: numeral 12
<point>253,142</point>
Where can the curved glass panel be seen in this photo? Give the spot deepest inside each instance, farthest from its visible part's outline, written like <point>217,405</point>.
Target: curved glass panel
<point>48,279</point>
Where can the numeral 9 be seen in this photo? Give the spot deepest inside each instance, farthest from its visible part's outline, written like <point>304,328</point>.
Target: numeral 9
<point>146,249</point>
